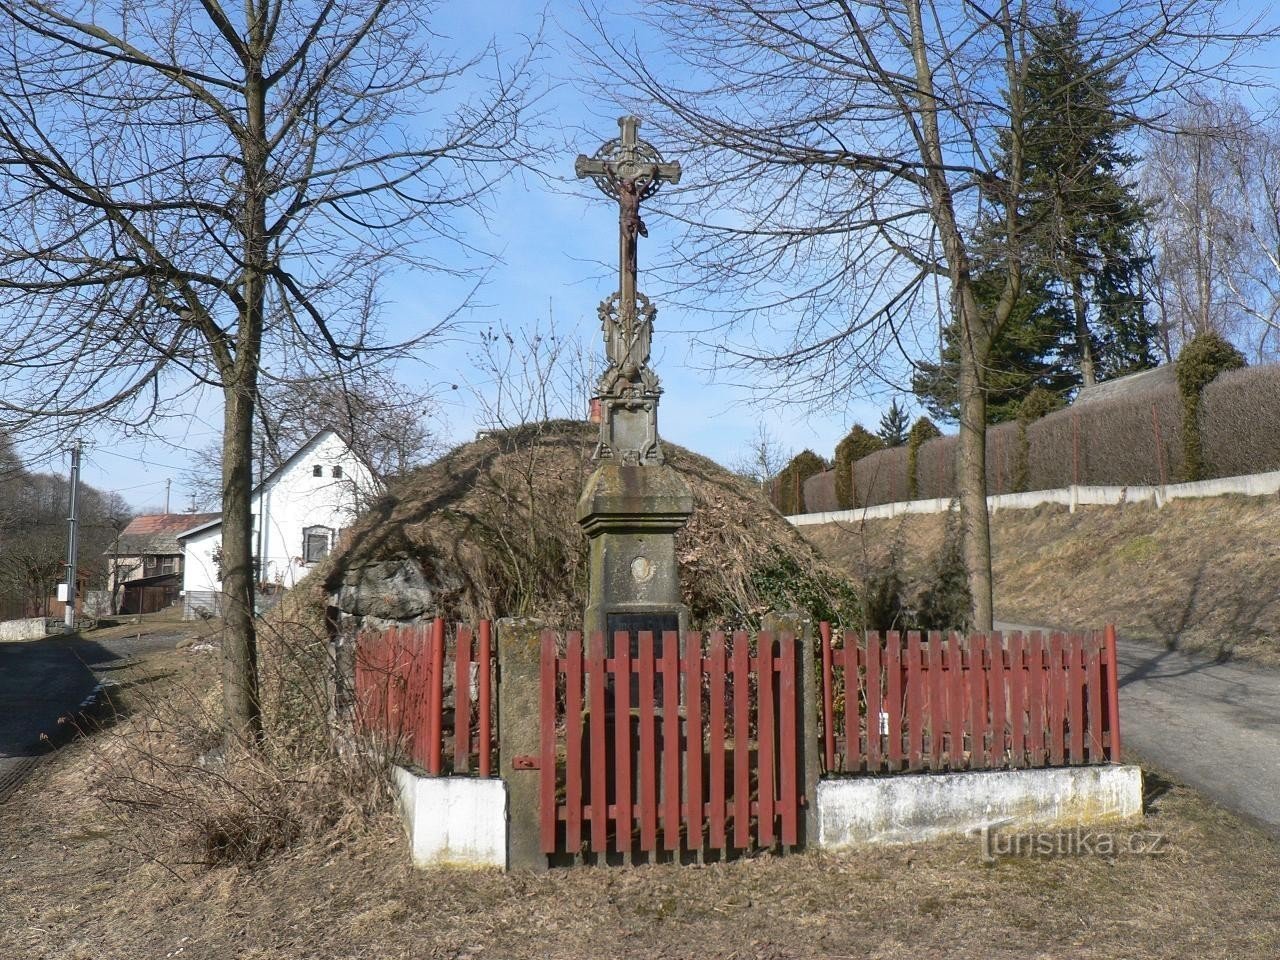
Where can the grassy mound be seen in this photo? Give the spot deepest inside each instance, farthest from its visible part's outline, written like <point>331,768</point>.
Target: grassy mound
<point>493,526</point>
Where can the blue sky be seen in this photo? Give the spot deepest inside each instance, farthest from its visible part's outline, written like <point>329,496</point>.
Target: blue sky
<point>556,243</point>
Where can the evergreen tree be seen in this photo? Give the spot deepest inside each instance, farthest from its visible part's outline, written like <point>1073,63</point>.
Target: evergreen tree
<point>859,442</point>
<point>1030,352</point>
<point>1081,317</point>
<point>1084,216</point>
<point>894,425</point>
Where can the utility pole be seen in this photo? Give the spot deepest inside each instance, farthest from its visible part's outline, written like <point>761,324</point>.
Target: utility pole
<point>167,484</point>
<point>73,538</point>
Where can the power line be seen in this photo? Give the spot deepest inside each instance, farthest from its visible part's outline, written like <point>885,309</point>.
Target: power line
<point>147,463</point>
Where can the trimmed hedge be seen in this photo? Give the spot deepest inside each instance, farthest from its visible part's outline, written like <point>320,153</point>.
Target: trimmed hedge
<point>1129,441</point>
<point>922,431</point>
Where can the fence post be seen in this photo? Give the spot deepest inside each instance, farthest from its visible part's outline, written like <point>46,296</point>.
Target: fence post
<point>809,697</point>
<point>519,728</point>
<point>1155,424</point>
<point>1075,450</point>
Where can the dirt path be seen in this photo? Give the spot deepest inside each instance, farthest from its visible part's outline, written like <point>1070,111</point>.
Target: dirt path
<point>1214,726</point>
<point>44,680</point>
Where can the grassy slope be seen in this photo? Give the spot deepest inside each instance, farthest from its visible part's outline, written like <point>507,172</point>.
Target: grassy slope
<point>1197,575</point>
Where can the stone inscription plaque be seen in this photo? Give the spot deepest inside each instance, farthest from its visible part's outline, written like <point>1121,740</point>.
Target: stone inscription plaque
<point>633,623</point>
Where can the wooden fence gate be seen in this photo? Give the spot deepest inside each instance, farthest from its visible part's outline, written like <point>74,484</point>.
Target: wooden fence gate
<point>669,749</point>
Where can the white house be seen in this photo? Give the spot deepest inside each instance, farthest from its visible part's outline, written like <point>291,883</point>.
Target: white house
<point>299,511</point>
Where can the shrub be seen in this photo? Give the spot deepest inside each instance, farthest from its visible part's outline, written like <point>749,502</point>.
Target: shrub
<point>1035,405</point>
<point>788,486</point>
<point>858,443</point>
<point>946,603</point>
<point>922,431</point>
<point>783,584</point>
<point>1204,357</point>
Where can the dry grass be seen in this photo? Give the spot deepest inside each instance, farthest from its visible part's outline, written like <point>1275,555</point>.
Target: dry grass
<point>1198,575</point>
<point>183,798</point>
<point>76,885</point>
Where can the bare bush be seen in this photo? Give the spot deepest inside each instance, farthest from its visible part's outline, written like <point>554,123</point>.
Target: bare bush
<point>188,799</point>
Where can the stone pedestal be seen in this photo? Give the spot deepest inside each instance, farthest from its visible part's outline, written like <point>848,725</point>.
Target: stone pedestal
<point>631,515</point>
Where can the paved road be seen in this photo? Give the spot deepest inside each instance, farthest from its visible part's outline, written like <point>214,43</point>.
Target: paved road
<point>1214,726</point>
<point>42,680</point>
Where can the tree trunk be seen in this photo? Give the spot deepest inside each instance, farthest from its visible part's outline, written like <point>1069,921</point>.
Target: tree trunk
<point>975,336</point>
<point>1087,376</point>
<point>240,664</point>
<point>239,643</point>
<point>971,472</point>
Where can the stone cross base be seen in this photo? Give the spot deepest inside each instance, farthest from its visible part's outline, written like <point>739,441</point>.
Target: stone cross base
<point>631,515</point>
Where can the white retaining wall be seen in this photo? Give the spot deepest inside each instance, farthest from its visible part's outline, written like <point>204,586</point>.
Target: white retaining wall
<point>454,821</point>
<point>1250,485</point>
<point>29,629</point>
<point>908,808</point>
<point>463,822</point>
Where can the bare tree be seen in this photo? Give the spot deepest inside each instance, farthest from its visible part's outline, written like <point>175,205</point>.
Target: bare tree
<point>531,375</point>
<point>1193,181</point>
<point>33,538</point>
<point>842,158</point>
<point>1214,181</point>
<point>193,192</point>
<point>762,459</point>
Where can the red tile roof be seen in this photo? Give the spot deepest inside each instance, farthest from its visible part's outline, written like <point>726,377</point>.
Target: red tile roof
<point>156,533</point>
<point>166,523</point>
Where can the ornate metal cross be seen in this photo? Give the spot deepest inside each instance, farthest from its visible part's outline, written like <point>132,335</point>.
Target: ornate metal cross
<point>629,170</point>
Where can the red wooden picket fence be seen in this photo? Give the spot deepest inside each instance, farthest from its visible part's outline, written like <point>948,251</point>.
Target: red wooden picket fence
<point>978,703</point>
<point>674,749</point>
<point>400,694</point>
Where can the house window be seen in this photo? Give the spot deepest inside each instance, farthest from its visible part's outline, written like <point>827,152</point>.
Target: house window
<point>337,473</point>
<point>316,543</point>
<point>168,565</point>
<point>317,471</point>
<point>149,566</point>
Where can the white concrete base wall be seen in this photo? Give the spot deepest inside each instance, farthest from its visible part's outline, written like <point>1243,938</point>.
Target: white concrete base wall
<point>1249,485</point>
<point>30,629</point>
<point>908,808</point>
<point>454,821</point>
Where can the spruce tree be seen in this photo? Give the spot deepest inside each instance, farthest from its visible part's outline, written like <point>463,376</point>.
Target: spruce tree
<point>1031,352</point>
<point>894,424</point>
<point>1083,212</point>
<point>1081,317</point>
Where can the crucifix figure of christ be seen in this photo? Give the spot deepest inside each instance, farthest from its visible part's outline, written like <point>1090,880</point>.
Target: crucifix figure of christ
<point>630,171</point>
